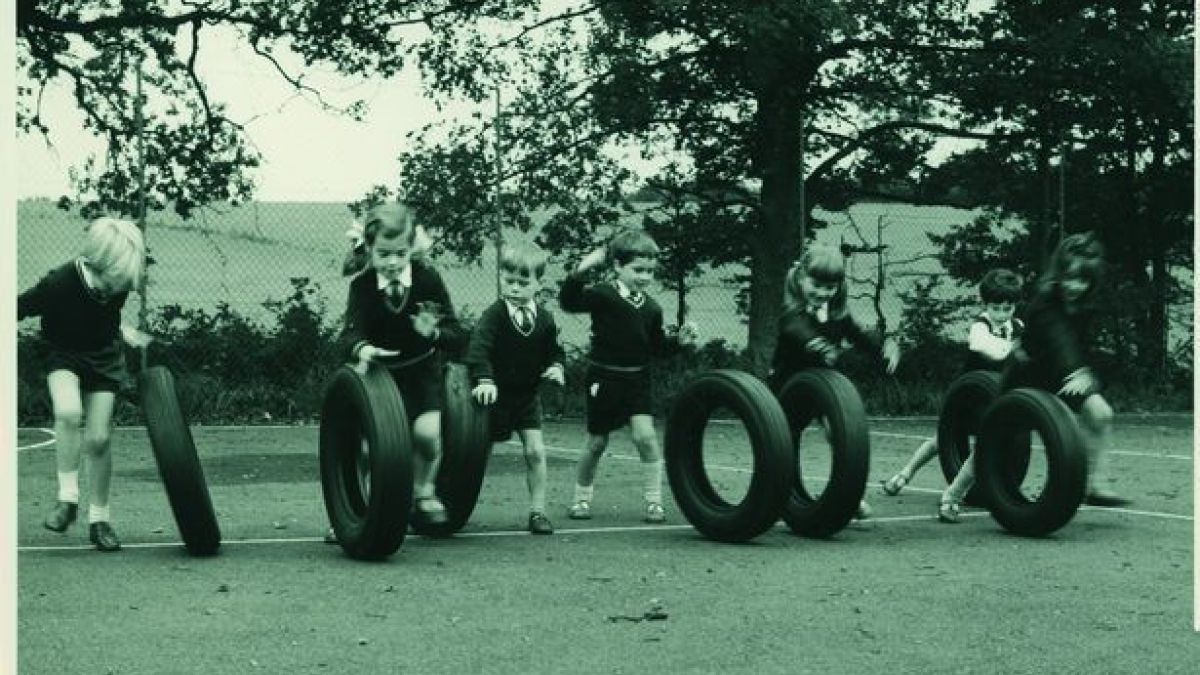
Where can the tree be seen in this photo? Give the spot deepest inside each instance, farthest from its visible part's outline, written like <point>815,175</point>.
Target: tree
<point>756,104</point>
<point>194,153</point>
<point>1106,91</point>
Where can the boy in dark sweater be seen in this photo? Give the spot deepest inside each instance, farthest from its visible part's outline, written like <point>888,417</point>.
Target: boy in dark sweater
<point>627,330</point>
<point>399,315</point>
<point>80,305</point>
<point>513,347</point>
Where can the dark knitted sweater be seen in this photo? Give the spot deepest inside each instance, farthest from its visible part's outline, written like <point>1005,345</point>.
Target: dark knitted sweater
<point>512,361</point>
<point>623,334</point>
<point>369,319</point>
<point>74,318</point>
<point>1054,344</point>
<point>798,327</point>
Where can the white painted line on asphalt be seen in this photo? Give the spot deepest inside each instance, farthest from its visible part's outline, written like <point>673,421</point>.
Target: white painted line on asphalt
<point>40,444</point>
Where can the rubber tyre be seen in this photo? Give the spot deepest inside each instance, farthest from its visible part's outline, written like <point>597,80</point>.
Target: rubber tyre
<point>178,465</point>
<point>958,426</point>
<point>809,395</point>
<point>466,449</point>
<point>1004,424</point>
<point>359,408</point>
<point>755,405</point>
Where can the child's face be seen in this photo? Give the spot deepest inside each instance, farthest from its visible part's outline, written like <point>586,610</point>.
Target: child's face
<point>390,257</point>
<point>818,292</point>
<point>106,283</point>
<point>519,287</point>
<point>1075,284</point>
<point>637,273</point>
<point>999,312</point>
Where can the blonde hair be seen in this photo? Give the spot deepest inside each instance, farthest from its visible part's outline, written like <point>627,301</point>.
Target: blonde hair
<point>820,263</point>
<point>523,258</point>
<point>628,245</point>
<point>115,248</point>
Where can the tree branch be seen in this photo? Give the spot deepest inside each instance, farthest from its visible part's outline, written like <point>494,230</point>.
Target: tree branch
<point>541,24</point>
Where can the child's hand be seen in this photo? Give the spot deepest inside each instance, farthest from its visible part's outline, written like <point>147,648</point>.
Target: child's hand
<point>687,334</point>
<point>891,355</point>
<point>555,374</point>
<point>134,337</point>
<point>824,349</point>
<point>426,320</point>
<point>1079,382</point>
<point>485,392</point>
<point>368,354</point>
<point>594,259</point>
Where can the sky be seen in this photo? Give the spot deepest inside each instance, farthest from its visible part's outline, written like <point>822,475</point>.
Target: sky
<point>308,154</point>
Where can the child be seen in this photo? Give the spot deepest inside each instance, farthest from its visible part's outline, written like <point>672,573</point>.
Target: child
<point>80,304</point>
<point>1051,356</point>
<point>514,345</point>
<point>816,326</point>
<point>627,329</point>
<point>989,342</point>
<point>398,315</point>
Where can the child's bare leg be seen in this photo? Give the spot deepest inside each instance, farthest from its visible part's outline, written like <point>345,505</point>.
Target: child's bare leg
<point>1096,424</point>
<point>957,490</point>
<point>427,455</point>
<point>920,457</point>
<point>97,434</point>
<point>585,475</point>
<point>67,403</point>
<point>641,428</point>
<point>535,468</point>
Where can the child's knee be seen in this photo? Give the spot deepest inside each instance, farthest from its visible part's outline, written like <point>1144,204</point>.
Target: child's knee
<point>95,441</point>
<point>535,453</point>
<point>427,435</point>
<point>597,445</point>
<point>70,416</point>
<point>1097,414</point>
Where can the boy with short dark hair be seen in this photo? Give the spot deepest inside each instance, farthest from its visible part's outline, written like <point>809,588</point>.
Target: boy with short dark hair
<point>513,347</point>
<point>627,330</point>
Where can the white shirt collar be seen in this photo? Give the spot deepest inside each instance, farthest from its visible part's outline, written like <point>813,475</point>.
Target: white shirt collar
<point>822,313</point>
<point>405,279</point>
<point>512,308</point>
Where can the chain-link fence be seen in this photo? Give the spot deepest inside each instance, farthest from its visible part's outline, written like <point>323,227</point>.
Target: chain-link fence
<point>256,293</point>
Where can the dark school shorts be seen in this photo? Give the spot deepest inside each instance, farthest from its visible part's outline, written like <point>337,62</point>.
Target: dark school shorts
<point>420,386</point>
<point>515,414</point>
<point>101,370</point>
<point>613,397</point>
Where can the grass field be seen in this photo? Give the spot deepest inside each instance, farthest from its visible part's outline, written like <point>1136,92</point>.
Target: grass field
<point>899,593</point>
<point>248,255</point>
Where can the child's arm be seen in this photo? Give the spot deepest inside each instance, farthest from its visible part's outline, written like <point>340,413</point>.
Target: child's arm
<point>886,347</point>
<point>33,301</point>
<point>479,359</point>
<point>1053,342</point>
<point>556,357</point>
<point>991,347</point>
<point>449,335</point>
<point>575,295</point>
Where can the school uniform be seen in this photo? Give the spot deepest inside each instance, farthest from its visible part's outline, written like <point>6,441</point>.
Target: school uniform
<point>990,344</point>
<point>1054,345</point>
<point>627,330</point>
<point>798,327</point>
<point>81,329</point>
<point>380,313</point>
<point>511,346</point>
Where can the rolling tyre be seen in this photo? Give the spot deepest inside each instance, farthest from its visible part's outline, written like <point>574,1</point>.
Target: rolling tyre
<point>466,448</point>
<point>753,403</point>
<point>825,394</point>
<point>366,462</point>
<point>1013,417</point>
<point>178,465</point>
<point>958,426</point>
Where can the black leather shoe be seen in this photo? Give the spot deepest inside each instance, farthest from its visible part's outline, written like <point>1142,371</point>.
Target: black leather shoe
<point>61,517</point>
<point>103,537</point>
<point>1105,499</point>
<point>331,537</point>
<point>539,523</point>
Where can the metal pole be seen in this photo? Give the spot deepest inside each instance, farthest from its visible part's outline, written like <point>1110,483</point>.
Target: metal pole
<point>140,124</point>
<point>1062,187</point>
<point>499,234</point>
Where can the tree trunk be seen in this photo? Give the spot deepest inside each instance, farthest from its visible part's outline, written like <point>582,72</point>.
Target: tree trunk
<point>776,241</point>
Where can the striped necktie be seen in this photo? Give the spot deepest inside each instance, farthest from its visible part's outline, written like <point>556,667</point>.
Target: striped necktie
<point>524,319</point>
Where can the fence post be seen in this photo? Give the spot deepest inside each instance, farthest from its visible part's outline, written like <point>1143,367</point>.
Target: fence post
<point>499,234</point>
<point>140,124</point>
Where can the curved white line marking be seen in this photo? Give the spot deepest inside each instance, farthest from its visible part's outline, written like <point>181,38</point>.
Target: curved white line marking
<point>40,444</point>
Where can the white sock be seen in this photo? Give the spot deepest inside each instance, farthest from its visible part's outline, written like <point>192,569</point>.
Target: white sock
<point>652,481</point>
<point>99,514</point>
<point>424,491</point>
<point>68,487</point>
<point>583,493</point>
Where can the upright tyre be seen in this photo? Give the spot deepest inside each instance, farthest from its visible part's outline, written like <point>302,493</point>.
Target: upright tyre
<point>825,394</point>
<point>466,448</point>
<point>958,427</point>
<point>1013,417</point>
<point>178,464</point>
<point>366,462</point>
<point>683,450</point>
